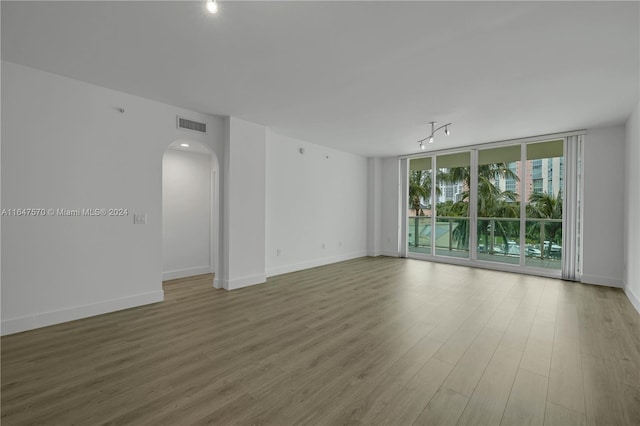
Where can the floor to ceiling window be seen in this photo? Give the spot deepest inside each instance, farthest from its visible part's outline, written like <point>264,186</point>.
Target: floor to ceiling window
<point>420,205</point>
<point>545,167</point>
<point>498,236</point>
<point>453,180</point>
<point>500,206</point>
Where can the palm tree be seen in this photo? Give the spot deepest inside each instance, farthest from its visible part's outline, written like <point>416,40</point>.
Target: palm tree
<point>547,206</point>
<point>420,185</point>
<point>487,173</point>
<point>491,201</point>
<point>419,189</point>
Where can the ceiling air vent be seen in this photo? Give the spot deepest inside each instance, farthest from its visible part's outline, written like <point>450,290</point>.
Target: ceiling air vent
<point>194,126</point>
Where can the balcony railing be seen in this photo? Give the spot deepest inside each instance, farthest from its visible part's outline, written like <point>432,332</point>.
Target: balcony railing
<point>498,239</point>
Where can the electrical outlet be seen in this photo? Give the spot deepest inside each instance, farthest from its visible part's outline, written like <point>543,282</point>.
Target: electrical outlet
<point>278,252</point>
<point>322,245</point>
<point>140,219</point>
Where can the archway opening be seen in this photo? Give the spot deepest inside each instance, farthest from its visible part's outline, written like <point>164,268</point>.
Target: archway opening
<point>190,211</point>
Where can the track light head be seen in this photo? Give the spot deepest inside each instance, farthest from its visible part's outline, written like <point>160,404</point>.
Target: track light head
<point>434,130</point>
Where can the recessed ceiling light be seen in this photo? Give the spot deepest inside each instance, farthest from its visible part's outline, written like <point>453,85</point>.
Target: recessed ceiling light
<point>212,6</point>
<point>186,145</point>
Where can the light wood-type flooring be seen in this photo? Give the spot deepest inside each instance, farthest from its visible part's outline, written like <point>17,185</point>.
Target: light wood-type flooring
<point>372,341</point>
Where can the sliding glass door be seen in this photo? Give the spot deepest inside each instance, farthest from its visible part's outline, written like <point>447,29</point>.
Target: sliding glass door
<point>545,161</point>
<point>452,209</point>
<point>499,175</point>
<point>420,206</point>
<point>499,206</point>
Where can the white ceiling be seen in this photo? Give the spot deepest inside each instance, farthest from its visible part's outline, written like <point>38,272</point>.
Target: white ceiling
<point>364,77</point>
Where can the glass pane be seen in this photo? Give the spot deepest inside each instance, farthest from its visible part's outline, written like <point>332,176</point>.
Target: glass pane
<point>542,249</point>
<point>545,183</point>
<point>499,171</point>
<point>499,240</point>
<point>452,208</point>
<point>419,234</point>
<point>419,220</point>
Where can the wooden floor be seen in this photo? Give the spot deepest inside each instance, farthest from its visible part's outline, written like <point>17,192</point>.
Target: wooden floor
<point>368,341</point>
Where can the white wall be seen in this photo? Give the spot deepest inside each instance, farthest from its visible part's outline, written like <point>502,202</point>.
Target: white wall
<point>374,207</point>
<point>243,231</point>
<point>1,205</point>
<point>632,209</point>
<point>603,243</point>
<point>186,213</point>
<point>390,206</point>
<point>65,145</point>
<point>316,205</point>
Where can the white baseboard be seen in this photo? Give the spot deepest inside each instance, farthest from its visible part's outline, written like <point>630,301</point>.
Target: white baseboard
<point>217,282</point>
<point>279,270</point>
<point>182,273</point>
<point>242,282</point>
<point>597,280</point>
<point>30,322</point>
<point>390,253</point>
<point>632,298</point>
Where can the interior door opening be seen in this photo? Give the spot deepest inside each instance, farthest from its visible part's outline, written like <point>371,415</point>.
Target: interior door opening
<point>189,210</point>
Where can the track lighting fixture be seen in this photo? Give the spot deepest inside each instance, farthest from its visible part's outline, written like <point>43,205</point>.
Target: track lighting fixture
<point>433,131</point>
<point>212,6</point>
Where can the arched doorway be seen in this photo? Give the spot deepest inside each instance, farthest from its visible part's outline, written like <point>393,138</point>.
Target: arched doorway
<point>190,210</point>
